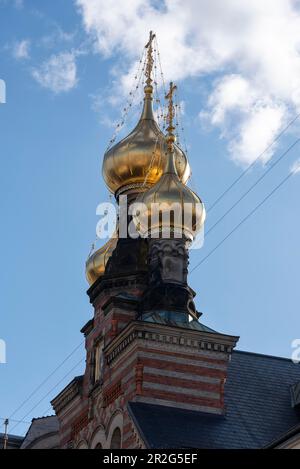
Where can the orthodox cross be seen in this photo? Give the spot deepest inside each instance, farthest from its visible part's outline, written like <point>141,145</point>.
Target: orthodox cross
<point>171,115</point>
<point>150,61</point>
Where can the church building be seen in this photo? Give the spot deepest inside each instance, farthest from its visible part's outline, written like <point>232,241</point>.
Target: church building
<point>156,376</point>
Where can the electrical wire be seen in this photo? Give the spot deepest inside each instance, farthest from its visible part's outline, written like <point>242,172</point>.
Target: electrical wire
<point>254,185</point>
<point>49,392</point>
<point>243,221</point>
<point>252,164</point>
<point>45,380</point>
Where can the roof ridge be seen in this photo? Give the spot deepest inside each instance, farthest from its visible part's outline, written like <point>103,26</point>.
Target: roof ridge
<point>276,357</point>
<point>43,417</point>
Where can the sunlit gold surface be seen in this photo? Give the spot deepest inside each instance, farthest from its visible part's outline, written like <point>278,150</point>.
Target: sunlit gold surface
<point>141,156</point>
<point>168,191</point>
<point>170,117</point>
<point>96,263</point>
<point>169,195</point>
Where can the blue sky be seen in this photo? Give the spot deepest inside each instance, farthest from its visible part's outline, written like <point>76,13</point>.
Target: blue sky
<point>66,68</point>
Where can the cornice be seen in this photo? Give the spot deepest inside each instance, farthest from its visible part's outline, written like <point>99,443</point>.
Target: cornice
<point>108,282</point>
<point>72,390</point>
<point>88,327</point>
<point>122,303</point>
<point>214,342</point>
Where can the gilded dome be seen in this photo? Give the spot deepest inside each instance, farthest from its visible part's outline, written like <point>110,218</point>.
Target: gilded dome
<point>169,196</point>
<point>96,263</point>
<point>137,162</point>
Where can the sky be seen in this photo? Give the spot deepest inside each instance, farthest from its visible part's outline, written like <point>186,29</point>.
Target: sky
<point>68,68</point>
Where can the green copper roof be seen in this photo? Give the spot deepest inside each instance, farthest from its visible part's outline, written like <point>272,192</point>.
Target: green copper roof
<point>173,318</point>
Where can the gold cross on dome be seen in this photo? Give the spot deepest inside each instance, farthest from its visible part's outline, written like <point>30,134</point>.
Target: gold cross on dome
<point>171,110</point>
<point>150,61</point>
<point>151,37</point>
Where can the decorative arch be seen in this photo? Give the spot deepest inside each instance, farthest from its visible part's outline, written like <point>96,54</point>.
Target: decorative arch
<point>115,423</point>
<point>82,445</point>
<point>98,438</point>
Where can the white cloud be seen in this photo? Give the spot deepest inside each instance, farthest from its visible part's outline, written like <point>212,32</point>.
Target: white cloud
<point>21,49</point>
<point>230,93</point>
<point>58,73</point>
<point>256,133</point>
<point>246,117</point>
<point>295,168</point>
<point>253,46</point>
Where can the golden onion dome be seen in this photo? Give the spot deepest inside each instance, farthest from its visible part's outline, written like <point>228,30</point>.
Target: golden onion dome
<point>96,263</point>
<point>137,162</point>
<point>169,208</point>
<point>169,196</point>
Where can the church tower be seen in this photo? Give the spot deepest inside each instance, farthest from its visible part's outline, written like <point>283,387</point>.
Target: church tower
<point>145,344</point>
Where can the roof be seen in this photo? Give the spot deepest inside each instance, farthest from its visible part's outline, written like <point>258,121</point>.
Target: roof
<point>173,318</point>
<point>258,409</point>
<point>13,442</point>
<point>39,428</point>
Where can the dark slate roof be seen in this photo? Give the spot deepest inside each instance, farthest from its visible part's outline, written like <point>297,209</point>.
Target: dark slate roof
<point>258,409</point>
<point>285,437</point>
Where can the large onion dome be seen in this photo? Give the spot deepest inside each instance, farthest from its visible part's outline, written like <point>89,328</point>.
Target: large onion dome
<point>137,162</point>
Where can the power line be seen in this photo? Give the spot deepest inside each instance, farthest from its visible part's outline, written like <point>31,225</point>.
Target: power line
<point>243,220</point>
<point>49,392</point>
<point>48,410</point>
<point>252,164</point>
<point>254,185</point>
<point>45,380</point>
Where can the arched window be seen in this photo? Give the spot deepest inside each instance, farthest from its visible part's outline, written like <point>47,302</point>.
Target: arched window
<point>116,439</point>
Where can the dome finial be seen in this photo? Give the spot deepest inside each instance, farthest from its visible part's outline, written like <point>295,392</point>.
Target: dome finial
<point>170,117</point>
<point>170,137</point>
<point>150,60</point>
<point>147,112</point>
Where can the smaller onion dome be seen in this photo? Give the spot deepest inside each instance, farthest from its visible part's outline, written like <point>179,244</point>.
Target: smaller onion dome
<point>169,208</point>
<point>96,263</point>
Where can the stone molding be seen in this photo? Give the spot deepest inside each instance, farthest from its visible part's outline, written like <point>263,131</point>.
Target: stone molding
<point>110,282</point>
<point>72,390</point>
<point>163,334</point>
